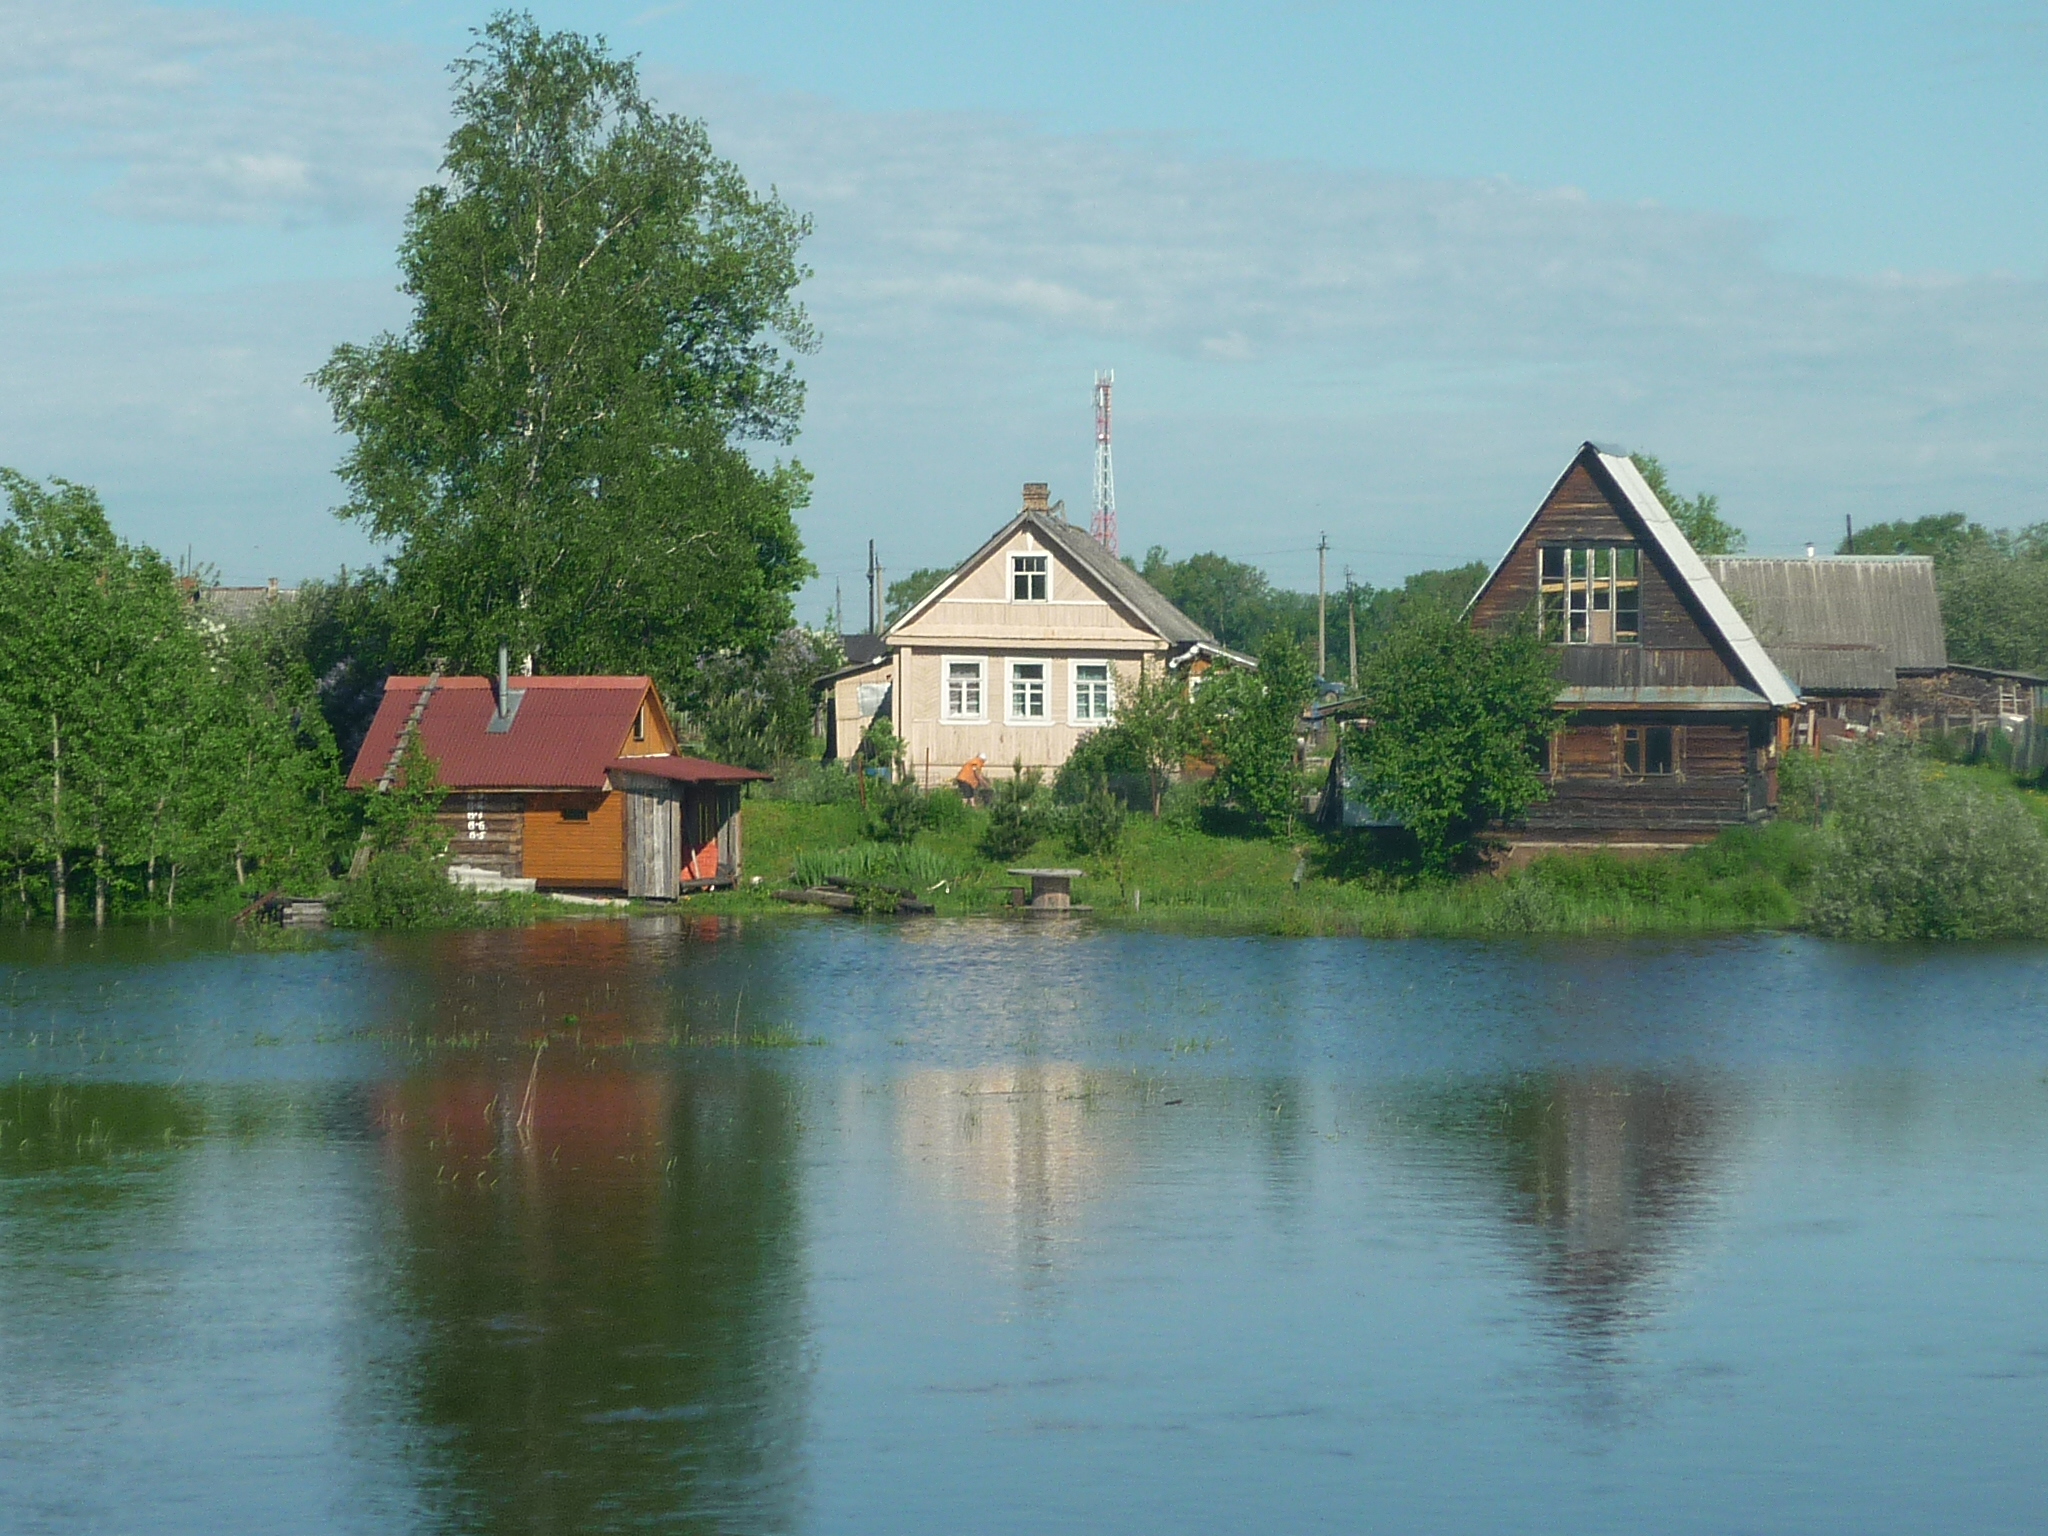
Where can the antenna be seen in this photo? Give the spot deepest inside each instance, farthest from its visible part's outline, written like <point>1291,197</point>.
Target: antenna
<point>1103,524</point>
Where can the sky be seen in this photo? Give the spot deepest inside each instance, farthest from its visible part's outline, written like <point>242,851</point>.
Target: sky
<point>1363,270</point>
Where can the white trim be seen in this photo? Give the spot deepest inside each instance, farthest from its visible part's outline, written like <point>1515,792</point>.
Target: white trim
<point>1029,550</point>
<point>946,665</point>
<point>1074,715</point>
<point>1010,666</point>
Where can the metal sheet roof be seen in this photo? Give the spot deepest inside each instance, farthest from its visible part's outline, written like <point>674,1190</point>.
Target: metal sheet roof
<point>1661,698</point>
<point>1836,668</point>
<point>686,770</point>
<point>567,732</point>
<point>1882,600</point>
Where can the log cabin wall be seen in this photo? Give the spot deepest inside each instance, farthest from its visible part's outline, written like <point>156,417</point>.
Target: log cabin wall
<point>576,840</point>
<point>485,830</point>
<point>1675,649</point>
<point>1720,778</point>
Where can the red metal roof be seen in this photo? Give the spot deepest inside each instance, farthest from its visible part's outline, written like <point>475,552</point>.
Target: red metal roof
<point>687,770</point>
<point>567,732</point>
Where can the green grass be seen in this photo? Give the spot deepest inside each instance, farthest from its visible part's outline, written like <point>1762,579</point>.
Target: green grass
<point>1173,876</point>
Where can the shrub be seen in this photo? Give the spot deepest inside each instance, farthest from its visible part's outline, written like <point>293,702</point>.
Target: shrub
<point>405,882</point>
<point>1014,820</point>
<point>897,811</point>
<point>1099,756</point>
<point>1096,825</point>
<point>1907,853</point>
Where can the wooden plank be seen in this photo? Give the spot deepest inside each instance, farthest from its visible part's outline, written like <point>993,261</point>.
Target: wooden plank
<point>568,851</point>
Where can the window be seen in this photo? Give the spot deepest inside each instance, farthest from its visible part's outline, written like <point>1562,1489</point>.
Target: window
<point>639,723</point>
<point>477,823</point>
<point>1094,698</point>
<point>1648,750</point>
<point>1028,575</point>
<point>1590,596</point>
<point>1027,691</point>
<point>576,813</point>
<point>963,701</point>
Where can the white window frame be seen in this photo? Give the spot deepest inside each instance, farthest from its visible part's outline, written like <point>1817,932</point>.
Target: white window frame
<point>1010,592</point>
<point>1074,715</point>
<point>1010,715</point>
<point>946,665</point>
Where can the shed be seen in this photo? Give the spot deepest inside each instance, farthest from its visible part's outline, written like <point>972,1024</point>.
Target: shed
<point>572,782</point>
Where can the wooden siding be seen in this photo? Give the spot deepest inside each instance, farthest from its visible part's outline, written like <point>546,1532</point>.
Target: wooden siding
<point>978,610</point>
<point>661,736</point>
<point>1636,666</point>
<point>1578,512</point>
<point>572,854</point>
<point>485,830</point>
<point>937,747</point>
<point>653,829</point>
<point>1718,783</point>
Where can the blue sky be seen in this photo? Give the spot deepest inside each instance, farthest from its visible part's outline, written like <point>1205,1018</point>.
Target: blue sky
<point>1366,268</point>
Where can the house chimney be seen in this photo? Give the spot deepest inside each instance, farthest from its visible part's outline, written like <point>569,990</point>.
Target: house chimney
<point>504,678</point>
<point>273,589</point>
<point>1809,551</point>
<point>1035,495</point>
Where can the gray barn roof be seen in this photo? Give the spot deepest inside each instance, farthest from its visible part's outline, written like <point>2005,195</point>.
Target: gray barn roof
<point>1849,622</point>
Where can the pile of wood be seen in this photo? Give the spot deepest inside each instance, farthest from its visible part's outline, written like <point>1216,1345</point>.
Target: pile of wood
<point>843,894</point>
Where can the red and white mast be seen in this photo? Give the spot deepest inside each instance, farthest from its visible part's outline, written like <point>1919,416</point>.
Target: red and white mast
<point>1103,524</point>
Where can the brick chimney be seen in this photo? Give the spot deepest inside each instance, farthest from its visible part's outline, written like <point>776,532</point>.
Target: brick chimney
<point>1035,495</point>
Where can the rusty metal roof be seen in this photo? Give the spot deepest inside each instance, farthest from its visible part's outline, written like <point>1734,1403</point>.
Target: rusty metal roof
<point>1662,698</point>
<point>686,770</point>
<point>1841,600</point>
<point>566,734</point>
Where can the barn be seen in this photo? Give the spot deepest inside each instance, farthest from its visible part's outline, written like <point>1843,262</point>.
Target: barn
<point>574,783</point>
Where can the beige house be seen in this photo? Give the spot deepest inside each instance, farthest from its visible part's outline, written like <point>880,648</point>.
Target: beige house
<point>1018,654</point>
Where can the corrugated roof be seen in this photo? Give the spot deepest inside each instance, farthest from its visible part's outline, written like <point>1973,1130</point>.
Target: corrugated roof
<point>1881,600</point>
<point>566,733</point>
<point>1144,600</point>
<point>1661,698</point>
<point>1836,668</point>
<point>686,770</point>
<point>861,649</point>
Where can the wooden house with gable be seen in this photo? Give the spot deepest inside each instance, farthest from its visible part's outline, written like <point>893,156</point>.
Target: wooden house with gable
<point>1671,708</point>
<point>573,783</point>
<point>1018,654</point>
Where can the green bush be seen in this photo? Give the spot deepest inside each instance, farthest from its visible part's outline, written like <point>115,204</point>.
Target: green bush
<point>1014,819</point>
<point>876,863</point>
<point>1907,852</point>
<point>1096,825</point>
<point>405,882</point>
<point>1098,757</point>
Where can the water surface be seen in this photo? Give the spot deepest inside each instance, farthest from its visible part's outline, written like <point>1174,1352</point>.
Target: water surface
<point>946,1226</point>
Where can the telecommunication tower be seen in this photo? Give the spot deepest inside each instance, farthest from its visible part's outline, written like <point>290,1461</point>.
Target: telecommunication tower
<point>1103,524</point>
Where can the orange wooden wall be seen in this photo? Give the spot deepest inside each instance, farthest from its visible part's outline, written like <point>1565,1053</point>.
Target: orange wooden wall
<point>577,853</point>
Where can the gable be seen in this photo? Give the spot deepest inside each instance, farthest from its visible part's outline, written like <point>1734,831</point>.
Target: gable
<point>1602,498</point>
<point>976,604</point>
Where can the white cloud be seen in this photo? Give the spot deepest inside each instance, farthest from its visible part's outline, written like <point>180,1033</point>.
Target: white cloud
<point>215,117</point>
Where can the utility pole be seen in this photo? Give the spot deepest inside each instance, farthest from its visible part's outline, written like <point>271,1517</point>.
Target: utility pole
<point>1849,528</point>
<point>874,592</point>
<point>1351,603</point>
<point>1322,610</point>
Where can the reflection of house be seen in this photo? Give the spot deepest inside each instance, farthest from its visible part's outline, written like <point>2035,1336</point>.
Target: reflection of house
<point>1846,630</point>
<point>572,782</point>
<point>1673,703</point>
<point>1021,652</point>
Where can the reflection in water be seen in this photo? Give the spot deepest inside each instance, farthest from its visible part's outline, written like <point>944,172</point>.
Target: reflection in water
<point>1607,1171</point>
<point>605,1308</point>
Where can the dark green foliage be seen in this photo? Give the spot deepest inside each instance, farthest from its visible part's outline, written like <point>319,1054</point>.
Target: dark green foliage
<point>1113,752</point>
<point>1381,612</point>
<point>899,810</point>
<point>1908,852</point>
<point>1994,584</point>
<point>1946,537</point>
<point>1458,720</point>
<point>1235,602</point>
<point>1699,519</point>
<point>907,592</point>
<point>1015,821</point>
<point>1096,825</point>
<point>1248,722</point>
<point>405,883</point>
<point>756,710</point>
<point>343,632</point>
<point>556,443</point>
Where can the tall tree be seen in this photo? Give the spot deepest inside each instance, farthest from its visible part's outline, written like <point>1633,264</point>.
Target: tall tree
<point>1699,517</point>
<point>555,444</point>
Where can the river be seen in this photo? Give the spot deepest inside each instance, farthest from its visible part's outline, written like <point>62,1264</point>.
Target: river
<point>816,1225</point>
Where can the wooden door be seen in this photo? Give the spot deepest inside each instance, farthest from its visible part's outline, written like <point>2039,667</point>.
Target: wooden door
<point>653,840</point>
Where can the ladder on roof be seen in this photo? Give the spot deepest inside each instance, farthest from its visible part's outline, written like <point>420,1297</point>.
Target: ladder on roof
<point>389,776</point>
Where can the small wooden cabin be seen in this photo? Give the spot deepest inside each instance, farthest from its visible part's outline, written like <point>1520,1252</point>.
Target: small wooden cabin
<point>572,782</point>
<point>1670,708</point>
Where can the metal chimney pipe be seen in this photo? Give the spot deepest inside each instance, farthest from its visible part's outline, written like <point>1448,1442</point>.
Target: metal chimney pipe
<point>504,680</point>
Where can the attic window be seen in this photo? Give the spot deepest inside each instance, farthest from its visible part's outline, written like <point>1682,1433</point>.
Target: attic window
<point>1028,578</point>
<point>1590,596</point>
<point>640,723</point>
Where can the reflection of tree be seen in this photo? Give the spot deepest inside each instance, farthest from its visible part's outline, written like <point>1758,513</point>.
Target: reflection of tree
<point>606,1309</point>
<point>1606,1170</point>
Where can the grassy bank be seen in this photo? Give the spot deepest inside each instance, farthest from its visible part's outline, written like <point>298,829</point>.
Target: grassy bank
<point>1170,875</point>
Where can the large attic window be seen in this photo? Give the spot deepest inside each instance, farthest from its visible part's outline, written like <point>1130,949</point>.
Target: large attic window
<point>1027,578</point>
<point>1590,595</point>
